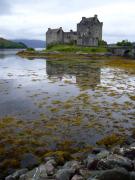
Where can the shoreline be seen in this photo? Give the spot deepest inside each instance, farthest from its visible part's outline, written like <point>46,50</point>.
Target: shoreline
<point>100,163</point>
<point>63,55</point>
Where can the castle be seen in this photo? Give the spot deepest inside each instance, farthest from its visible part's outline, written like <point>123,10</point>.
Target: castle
<point>89,33</point>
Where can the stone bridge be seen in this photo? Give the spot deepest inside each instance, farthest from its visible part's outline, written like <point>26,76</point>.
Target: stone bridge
<point>123,51</point>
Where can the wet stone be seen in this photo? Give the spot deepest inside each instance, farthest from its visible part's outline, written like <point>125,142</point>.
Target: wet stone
<point>50,168</point>
<point>10,177</point>
<point>38,173</point>
<point>113,161</point>
<point>17,174</point>
<point>114,174</point>
<point>77,177</point>
<point>29,160</point>
<point>65,174</point>
<point>103,154</point>
<point>73,165</point>
<point>91,161</point>
<point>132,175</point>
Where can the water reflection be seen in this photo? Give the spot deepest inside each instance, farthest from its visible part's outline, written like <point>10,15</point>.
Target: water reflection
<point>84,75</point>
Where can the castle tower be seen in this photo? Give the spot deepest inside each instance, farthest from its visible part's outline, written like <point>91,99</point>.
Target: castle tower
<point>89,31</point>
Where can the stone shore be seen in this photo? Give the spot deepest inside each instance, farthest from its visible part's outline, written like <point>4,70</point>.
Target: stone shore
<point>116,163</point>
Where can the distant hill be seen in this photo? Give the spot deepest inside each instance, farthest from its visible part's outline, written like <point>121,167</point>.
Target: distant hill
<point>31,43</point>
<point>4,43</point>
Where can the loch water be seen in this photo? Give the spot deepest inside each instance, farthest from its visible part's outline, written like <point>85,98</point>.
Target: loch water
<point>44,103</point>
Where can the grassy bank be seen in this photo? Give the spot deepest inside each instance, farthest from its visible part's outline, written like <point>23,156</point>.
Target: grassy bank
<point>74,49</point>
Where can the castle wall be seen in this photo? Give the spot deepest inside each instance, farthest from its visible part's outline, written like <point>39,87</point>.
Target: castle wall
<point>54,37</point>
<point>70,37</point>
<point>86,41</point>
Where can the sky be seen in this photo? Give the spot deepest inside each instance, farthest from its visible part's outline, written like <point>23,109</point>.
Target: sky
<point>30,19</point>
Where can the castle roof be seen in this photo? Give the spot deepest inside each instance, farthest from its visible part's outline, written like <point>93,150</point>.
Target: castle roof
<point>90,20</point>
<point>55,30</point>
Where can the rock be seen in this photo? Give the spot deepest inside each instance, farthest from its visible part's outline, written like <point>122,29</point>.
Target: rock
<point>77,177</point>
<point>52,161</point>
<point>29,161</point>
<point>97,150</point>
<point>49,167</point>
<point>38,173</point>
<point>64,174</point>
<point>132,175</point>
<point>48,158</point>
<point>85,173</point>
<point>10,177</point>
<point>115,174</point>
<point>128,152</point>
<point>103,154</point>
<point>91,162</point>
<point>28,175</point>
<point>132,145</point>
<point>113,161</point>
<point>72,165</point>
<point>18,173</point>
<point>129,140</point>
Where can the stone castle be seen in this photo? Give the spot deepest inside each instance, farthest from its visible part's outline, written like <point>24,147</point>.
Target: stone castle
<point>89,33</point>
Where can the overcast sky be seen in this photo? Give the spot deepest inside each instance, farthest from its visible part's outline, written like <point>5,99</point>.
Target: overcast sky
<point>30,19</point>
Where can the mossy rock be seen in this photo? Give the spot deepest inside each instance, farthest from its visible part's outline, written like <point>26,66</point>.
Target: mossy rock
<point>60,156</point>
<point>111,140</point>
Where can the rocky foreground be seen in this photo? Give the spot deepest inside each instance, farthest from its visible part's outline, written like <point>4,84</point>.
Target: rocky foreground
<point>117,163</point>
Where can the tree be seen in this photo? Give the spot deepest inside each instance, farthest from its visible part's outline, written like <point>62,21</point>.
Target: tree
<point>124,43</point>
<point>102,43</point>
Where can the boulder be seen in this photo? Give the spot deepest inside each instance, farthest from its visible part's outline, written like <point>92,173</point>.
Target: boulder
<point>29,160</point>
<point>91,162</point>
<point>113,161</point>
<point>50,167</point>
<point>10,177</point>
<point>114,174</point>
<point>65,174</point>
<point>38,173</point>
<point>77,177</point>
<point>132,175</point>
<point>103,154</point>
<point>72,165</point>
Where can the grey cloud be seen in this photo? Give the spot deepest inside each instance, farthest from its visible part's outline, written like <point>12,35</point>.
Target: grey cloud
<point>5,7</point>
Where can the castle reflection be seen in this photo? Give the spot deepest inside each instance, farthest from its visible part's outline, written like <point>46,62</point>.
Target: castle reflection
<point>84,75</point>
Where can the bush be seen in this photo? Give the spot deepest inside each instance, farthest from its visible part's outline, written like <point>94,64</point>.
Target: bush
<point>30,49</point>
<point>124,43</point>
<point>102,43</point>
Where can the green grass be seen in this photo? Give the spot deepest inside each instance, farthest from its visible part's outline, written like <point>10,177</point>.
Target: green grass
<point>74,48</point>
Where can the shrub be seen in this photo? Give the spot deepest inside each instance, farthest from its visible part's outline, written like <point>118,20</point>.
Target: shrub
<point>30,49</point>
<point>124,43</point>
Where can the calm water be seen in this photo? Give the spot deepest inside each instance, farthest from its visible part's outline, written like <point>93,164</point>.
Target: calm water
<point>58,101</point>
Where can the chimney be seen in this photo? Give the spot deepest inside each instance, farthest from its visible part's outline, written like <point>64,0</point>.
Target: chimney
<point>96,16</point>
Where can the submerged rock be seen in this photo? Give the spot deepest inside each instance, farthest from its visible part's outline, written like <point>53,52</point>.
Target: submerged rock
<point>29,160</point>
